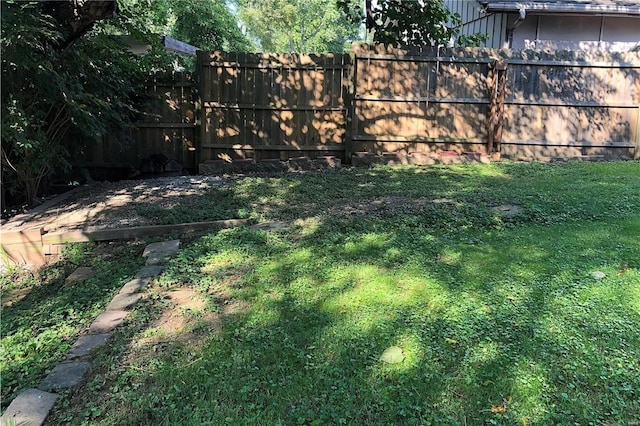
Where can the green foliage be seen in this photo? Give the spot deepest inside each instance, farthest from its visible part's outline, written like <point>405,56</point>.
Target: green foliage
<point>53,98</point>
<point>411,23</point>
<point>499,320</point>
<point>29,94</point>
<point>50,95</point>
<point>297,26</point>
<point>208,25</point>
<point>205,24</point>
<point>38,330</point>
<point>218,204</point>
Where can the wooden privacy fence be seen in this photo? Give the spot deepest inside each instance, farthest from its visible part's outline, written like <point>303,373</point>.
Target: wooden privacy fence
<point>419,101</point>
<point>523,104</point>
<point>376,99</point>
<point>571,104</point>
<point>168,128</point>
<point>272,106</point>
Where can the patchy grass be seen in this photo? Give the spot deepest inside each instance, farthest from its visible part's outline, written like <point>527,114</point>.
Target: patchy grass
<point>217,204</point>
<point>499,315</point>
<point>39,329</point>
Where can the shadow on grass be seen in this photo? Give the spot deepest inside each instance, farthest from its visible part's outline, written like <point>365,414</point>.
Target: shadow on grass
<point>38,330</point>
<point>500,323</point>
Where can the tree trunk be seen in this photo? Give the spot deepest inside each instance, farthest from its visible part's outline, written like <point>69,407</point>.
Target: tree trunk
<point>77,17</point>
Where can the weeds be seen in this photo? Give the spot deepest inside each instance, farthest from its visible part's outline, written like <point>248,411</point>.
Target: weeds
<point>38,330</point>
<point>501,319</point>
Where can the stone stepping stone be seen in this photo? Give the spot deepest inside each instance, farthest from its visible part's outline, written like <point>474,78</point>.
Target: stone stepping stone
<point>85,345</point>
<point>107,321</point>
<point>31,408</point>
<point>13,296</point>
<point>123,301</point>
<point>168,247</point>
<point>149,271</point>
<point>65,375</point>
<point>82,273</point>
<point>160,253</point>
<point>135,285</point>
<point>271,226</point>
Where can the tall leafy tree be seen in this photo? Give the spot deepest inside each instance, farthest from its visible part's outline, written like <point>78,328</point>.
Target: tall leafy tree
<point>206,24</point>
<point>410,22</point>
<point>56,83</point>
<point>297,26</point>
<point>65,76</point>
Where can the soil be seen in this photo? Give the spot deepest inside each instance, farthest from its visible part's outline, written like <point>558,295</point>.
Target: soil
<point>106,205</point>
<point>184,316</point>
<point>389,206</point>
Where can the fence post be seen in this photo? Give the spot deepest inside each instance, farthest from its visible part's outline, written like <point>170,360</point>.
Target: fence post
<point>636,152</point>
<point>348,84</point>
<point>200,115</point>
<point>497,82</point>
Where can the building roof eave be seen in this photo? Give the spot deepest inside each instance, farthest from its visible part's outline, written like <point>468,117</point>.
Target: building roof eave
<point>593,7</point>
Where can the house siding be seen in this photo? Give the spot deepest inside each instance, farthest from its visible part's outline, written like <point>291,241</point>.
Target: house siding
<point>576,32</point>
<point>475,21</point>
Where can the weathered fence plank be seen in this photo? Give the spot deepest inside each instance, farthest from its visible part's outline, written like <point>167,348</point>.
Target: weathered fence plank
<point>377,99</point>
<point>168,128</point>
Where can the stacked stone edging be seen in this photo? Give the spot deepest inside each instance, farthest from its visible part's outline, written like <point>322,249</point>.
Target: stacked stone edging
<point>220,167</point>
<point>419,158</point>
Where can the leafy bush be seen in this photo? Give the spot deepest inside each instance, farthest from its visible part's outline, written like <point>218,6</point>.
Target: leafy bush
<point>49,93</point>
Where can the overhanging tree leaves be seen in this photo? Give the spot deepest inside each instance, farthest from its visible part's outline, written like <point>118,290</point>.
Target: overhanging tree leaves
<point>64,74</point>
<point>297,26</point>
<point>49,92</point>
<point>410,22</point>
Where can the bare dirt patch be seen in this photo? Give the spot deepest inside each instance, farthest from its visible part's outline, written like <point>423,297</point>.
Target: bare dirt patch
<point>177,321</point>
<point>381,206</point>
<point>107,205</point>
<point>507,211</point>
<point>188,311</point>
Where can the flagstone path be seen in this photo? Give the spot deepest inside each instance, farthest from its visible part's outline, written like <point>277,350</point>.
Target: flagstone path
<point>32,406</point>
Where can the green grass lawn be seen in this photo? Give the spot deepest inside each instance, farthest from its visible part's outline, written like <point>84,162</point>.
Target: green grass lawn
<point>483,275</point>
<point>38,330</point>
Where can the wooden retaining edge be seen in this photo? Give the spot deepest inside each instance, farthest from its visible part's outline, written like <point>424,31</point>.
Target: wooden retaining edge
<point>34,247</point>
<point>22,246</point>
<point>136,232</point>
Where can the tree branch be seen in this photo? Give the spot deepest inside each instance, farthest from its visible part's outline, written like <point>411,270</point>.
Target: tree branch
<point>78,17</point>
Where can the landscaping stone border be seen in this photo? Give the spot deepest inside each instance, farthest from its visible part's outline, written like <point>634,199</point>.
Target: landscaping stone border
<point>220,167</point>
<point>420,158</point>
<point>32,406</point>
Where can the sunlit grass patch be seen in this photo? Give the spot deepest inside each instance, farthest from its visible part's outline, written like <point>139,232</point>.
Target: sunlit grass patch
<point>500,320</point>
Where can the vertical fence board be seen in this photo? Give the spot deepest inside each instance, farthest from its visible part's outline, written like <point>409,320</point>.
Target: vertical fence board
<point>381,99</point>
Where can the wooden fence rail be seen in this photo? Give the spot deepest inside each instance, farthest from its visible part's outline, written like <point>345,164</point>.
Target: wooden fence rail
<point>520,104</point>
<point>168,128</point>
